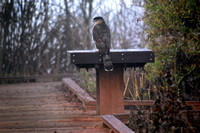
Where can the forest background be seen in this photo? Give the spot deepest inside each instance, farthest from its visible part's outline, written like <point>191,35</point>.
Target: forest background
<point>36,35</point>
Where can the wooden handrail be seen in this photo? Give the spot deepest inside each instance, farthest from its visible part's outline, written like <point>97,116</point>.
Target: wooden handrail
<point>115,124</point>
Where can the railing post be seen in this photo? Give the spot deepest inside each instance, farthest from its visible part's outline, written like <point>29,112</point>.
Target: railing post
<point>110,85</point>
<point>109,92</point>
<point>97,93</point>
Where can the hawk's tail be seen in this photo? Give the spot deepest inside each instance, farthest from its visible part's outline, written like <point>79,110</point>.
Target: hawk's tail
<point>107,62</point>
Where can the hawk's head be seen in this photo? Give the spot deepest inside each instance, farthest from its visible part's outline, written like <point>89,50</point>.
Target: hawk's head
<point>98,20</point>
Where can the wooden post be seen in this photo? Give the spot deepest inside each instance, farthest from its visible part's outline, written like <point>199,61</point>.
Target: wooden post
<point>109,92</point>
<point>110,85</point>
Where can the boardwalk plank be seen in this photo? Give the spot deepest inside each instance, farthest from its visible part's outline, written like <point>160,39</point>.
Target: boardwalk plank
<point>44,107</point>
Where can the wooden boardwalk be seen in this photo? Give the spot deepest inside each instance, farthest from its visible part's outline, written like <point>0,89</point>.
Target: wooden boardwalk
<point>44,107</point>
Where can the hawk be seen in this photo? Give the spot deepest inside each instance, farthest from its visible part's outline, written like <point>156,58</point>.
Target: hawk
<point>102,38</point>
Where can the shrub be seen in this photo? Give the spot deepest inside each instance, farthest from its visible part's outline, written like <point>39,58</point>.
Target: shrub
<point>174,36</point>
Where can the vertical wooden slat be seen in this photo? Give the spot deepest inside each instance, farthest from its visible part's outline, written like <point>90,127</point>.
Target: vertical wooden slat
<point>97,92</point>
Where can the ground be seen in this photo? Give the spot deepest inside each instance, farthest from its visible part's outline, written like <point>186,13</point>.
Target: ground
<point>44,107</point>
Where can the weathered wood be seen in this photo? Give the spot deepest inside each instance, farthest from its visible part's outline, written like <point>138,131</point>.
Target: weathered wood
<point>97,93</point>
<point>82,95</point>
<point>93,104</point>
<point>194,104</point>
<point>109,85</point>
<point>77,90</point>
<point>123,117</point>
<point>115,124</point>
<point>112,121</point>
<point>139,102</point>
<point>111,91</point>
<point>44,108</point>
<point>125,57</point>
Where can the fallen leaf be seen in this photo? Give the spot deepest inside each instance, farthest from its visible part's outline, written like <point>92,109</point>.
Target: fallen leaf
<point>42,101</point>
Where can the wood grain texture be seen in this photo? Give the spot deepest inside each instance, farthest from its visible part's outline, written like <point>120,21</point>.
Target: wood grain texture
<point>44,108</point>
<point>111,87</point>
<point>125,57</point>
<point>87,101</point>
<point>115,124</point>
<point>77,90</point>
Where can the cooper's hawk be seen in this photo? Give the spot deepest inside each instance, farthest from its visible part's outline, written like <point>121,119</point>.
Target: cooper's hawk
<point>101,36</point>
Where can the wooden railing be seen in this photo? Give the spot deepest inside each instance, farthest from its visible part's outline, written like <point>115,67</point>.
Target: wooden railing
<point>115,122</point>
<point>35,78</point>
<point>90,103</point>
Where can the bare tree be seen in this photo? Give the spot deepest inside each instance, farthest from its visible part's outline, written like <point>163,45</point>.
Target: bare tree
<point>122,17</point>
<point>36,35</point>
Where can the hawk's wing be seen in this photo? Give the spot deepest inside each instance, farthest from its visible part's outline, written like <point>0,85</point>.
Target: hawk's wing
<point>101,34</point>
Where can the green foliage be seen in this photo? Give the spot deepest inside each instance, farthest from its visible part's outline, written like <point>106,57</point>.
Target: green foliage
<point>167,115</point>
<point>88,82</point>
<point>139,121</point>
<point>174,36</point>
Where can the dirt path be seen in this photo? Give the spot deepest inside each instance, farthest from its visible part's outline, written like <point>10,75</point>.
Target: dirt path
<point>43,107</point>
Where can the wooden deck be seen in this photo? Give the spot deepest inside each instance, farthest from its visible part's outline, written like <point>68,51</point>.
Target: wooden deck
<point>44,107</point>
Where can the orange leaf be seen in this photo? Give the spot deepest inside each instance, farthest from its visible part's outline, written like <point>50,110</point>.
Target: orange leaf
<point>42,101</point>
